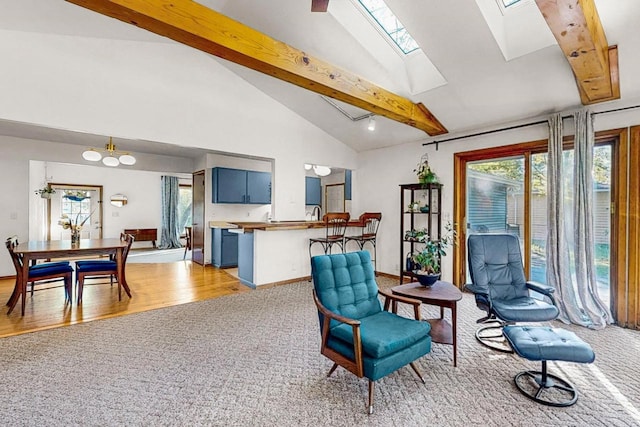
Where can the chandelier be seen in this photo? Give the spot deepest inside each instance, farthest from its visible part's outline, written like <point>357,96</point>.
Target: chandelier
<point>110,159</point>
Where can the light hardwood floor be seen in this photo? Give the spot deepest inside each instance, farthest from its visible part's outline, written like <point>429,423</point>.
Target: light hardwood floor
<point>152,286</point>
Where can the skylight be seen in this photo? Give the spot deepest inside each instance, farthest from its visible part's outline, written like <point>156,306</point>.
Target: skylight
<point>391,25</point>
<point>507,3</point>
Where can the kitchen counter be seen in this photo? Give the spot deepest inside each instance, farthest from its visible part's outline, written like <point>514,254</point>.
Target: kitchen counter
<point>221,224</point>
<point>265,257</point>
<point>250,227</point>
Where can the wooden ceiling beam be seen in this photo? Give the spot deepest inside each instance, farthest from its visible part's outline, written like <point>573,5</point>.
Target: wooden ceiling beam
<point>190,23</point>
<point>577,28</point>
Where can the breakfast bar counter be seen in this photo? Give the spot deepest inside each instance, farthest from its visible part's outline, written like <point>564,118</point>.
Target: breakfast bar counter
<point>249,227</point>
<point>278,251</point>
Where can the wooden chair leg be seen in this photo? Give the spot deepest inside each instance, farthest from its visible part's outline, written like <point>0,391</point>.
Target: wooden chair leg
<point>24,300</point>
<point>415,369</point>
<point>333,368</point>
<point>371,388</point>
<point>80,285</point>
<point>68,289</point>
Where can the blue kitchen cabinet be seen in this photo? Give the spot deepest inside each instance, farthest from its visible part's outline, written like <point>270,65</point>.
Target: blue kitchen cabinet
<point>258,187</point>
<point>313,191</point>
<point>245,259</point>
<point>241,186</point>
<point>224,248</point>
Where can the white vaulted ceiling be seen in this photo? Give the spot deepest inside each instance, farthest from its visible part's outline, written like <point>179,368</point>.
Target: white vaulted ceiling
<point>466,80</point>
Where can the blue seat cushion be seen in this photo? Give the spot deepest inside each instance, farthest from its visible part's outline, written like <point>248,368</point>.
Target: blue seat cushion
<point>384,333</point>
<point>375,368</point>
<point>48,265</point>
<point>546,343</point>
<point>49,269</point>
<point>98,265</point>
<point>524,309</point>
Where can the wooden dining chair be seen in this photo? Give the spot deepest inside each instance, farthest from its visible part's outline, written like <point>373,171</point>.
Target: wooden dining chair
<point>38,274</point>
<point>91,269</point>
<point>187,246</point>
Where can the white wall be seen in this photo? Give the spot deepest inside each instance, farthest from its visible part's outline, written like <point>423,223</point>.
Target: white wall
<point>382,171</point>
<point>142,188</point>
<point>20,206</point>
<point>162,92</point>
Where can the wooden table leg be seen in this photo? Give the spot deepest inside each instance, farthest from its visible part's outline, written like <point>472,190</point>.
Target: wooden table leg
<point>454,331</point>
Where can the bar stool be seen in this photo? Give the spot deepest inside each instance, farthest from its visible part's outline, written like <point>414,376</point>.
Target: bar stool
<point>370,222</point>
<point>335,224</point>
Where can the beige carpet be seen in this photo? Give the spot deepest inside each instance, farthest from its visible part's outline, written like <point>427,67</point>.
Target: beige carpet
<point>253,360</point>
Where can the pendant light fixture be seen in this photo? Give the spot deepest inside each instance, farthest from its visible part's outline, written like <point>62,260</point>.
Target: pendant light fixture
<point>112,158</point>
<point>321,170</point>
<point>318,169</point>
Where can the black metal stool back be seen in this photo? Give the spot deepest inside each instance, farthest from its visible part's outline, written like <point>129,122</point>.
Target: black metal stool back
<point>335,224</point>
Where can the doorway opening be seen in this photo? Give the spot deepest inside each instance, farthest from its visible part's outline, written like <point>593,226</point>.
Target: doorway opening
<point>81,204</point>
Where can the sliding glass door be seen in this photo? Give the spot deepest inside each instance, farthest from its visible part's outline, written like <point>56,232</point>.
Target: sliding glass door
<point>495,197</point>
<point>508,194</point>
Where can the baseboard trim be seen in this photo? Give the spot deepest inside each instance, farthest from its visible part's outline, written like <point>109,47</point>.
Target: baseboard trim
<point>284,282</point>
<point>308,278</point>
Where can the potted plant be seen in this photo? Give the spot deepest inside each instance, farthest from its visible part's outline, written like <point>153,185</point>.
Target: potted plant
<point>424,172</point>
<point>45,192</point>
<point>428,259</point>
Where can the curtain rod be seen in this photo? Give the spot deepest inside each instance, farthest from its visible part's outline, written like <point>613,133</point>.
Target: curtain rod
<point>539,122</point>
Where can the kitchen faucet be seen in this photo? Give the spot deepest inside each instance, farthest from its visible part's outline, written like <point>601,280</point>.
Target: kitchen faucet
<point>313,213</point>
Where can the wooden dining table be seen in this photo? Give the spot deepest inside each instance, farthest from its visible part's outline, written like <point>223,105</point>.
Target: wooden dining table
<point>51,249</point>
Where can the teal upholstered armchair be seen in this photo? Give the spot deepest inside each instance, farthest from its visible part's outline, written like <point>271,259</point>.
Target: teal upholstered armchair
<point>357,333</point>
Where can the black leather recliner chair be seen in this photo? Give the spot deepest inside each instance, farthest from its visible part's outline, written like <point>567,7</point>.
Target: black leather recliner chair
<point>500,288</point>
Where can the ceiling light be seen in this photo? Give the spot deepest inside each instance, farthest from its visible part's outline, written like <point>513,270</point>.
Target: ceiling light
<point>307,166</point>
<point>372,124</point>
<point>321,170</point>
<point>94,155</point>
<point>110,161</point>
<point>127,159</point>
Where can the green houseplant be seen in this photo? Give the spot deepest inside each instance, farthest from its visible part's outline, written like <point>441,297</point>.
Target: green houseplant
<point>429,258</point>
<point>45,192</point>
<point>424,172</point>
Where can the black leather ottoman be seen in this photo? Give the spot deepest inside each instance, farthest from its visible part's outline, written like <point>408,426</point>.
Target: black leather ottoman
<point>545,343</point>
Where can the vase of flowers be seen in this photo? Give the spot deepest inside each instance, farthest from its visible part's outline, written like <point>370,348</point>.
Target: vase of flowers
<point>74,226</point>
